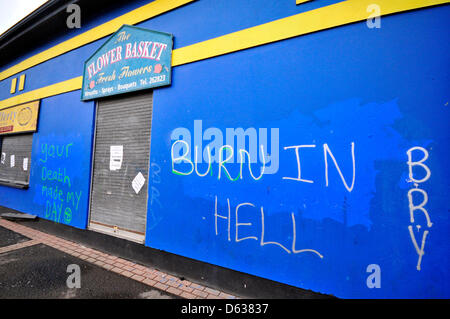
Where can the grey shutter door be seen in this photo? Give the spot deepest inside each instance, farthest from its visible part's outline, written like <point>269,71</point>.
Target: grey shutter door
<point>15,149</point>
<point>121,121</point>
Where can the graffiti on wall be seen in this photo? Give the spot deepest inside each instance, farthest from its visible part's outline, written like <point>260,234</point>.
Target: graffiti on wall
<point>418,198</point>
<point>57,190</point>
<point>221,156</point>
<point>213,154</point>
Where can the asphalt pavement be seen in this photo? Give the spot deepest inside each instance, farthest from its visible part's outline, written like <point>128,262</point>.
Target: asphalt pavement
<point>8,237</point>
<point>42,272</point>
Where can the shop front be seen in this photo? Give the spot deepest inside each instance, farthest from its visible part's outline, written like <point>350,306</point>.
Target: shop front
<point>291,142</point>
<point>132,60</point>
<point>17,125</point>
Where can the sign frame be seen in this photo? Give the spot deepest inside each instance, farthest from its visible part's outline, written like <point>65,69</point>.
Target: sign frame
<point>32,116</point>
<point>163,69</point>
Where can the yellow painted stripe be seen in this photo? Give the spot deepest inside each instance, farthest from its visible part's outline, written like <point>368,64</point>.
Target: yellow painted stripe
<point>140,14</point>
<point>22,82</point>
<point>51,90</point>
<point>13,86</point>
<point>338,14</point>
<point>319,19</point>
<point>302,1</point>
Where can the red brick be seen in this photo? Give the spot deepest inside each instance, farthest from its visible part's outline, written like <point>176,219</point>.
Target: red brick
<point>158,273</point>
<point>75,254</point>
<point>195,286</point>
<point>149,282</point>
<point>137,277</point>
<point>138,272</point>
<point>173,283</point>
<point>185,282</point>
<point>127,273</point>
<point>170,277</point>
<point>188,295</point>
<point>161,286</point>
<point>107,266</point>
<point>99,263</point>
<point>187,289</point>
<point>108,261</point>
<point>129,268</point>
<point>160,279</point>
<point>119,265</point>
<point>101,254</point>
<point>150,275</point>
<point>127,262</point>
<point>212,291</point>
<point>141,267</point>
<point>200,293</point>
<point>117,270</point>
<point>174,291</point>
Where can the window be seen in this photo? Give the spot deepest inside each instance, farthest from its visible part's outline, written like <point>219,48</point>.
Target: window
<point>15,160</point>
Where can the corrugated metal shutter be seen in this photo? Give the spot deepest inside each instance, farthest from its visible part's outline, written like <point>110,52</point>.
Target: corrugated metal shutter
<point>121,121</point>
<point>15,159</point>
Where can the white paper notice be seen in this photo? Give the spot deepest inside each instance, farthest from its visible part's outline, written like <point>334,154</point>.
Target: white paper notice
<point>138,182</point>
<point>25,164</point>
<point>115,157</point>
<point>13,160</point>
<point>3,158</point>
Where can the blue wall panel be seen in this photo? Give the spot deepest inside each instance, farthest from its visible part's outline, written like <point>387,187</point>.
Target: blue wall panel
<point>383,91</point>
<point>213,18</point>
<point>60,163</point>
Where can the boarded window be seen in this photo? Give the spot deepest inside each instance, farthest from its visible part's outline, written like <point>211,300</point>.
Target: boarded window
<point>15,160</point>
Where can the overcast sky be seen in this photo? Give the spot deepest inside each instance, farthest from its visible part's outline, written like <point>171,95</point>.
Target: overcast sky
<point>12,11</point>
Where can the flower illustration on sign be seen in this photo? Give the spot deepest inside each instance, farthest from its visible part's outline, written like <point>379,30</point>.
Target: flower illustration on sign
<point>92,84</point>
<point>158,68</point>
<point>25,115</point>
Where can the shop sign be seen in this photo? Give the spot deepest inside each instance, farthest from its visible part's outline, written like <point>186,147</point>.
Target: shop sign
<point>19,119</point>
<point>132,59</point>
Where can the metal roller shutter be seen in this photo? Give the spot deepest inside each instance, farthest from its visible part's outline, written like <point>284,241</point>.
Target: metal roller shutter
<point>119,205</point>
<point>15,160</point>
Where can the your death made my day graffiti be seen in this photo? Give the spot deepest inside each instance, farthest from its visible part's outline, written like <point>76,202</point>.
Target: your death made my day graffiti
<point>57,188</point>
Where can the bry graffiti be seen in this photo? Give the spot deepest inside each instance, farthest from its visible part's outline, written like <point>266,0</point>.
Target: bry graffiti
<point>418,198</point>
<point>56,189</point>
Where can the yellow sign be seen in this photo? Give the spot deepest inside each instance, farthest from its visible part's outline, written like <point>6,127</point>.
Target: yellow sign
<point>19,119</point>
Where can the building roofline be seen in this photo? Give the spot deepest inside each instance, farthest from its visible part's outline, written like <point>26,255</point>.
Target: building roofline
<point>33,20</point>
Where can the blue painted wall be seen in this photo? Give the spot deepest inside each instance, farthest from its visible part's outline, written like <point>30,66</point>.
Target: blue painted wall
<point>60,163</point>
<point>213,18</point>
<point>385,90</point>
<point>379,92</point>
